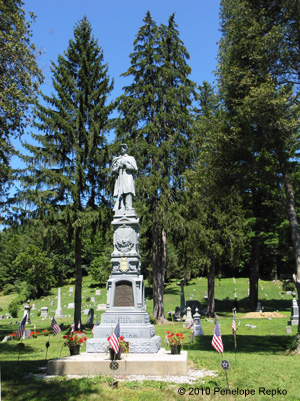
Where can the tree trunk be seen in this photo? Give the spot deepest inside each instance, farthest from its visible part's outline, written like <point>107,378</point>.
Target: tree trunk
<point>78,280</point>
<point>254,274</point>
<point>292,215</point>
<point>211,286</point>
<point>159,267</point>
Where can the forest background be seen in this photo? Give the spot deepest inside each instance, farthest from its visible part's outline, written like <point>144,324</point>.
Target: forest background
<point>218,180</point>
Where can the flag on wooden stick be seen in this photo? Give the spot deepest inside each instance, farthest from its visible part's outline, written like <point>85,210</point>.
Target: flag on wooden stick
<point>96,324</point>
<point>21,328</point>
<point>114,338</point>
<point>217,342</point>
<point>233,324</point>
<point>55,327</point>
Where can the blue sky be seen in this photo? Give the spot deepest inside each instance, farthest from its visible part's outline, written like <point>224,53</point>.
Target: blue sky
<point>115,24</point>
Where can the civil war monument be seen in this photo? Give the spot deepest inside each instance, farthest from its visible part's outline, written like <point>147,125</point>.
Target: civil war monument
<point>125,287</point>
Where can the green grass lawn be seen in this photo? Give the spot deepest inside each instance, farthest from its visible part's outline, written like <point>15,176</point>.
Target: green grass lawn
<point>260,363</point>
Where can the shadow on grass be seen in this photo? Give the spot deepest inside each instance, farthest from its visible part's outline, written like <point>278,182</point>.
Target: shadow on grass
<point>245,343</point>
<point>270,305</point>
<point>20,383</point>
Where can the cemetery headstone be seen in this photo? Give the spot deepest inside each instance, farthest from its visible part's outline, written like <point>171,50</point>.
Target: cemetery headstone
<point>288,330</point>
<point>44,311</point>
<point>71,305</point>
<point>182,299</point>
<point>71,289</point>
<point>101,307</point>
<point>90,319</point>
<point>59,312</point>
<point>189,317</point>
<point>198,331</point>
<point>92,299</point>
<point>294,312</point>
<point>27,308</point>
<point>98,292</point>
<point>177,315</point>
<point>258,308</point>
<point>33,306</point>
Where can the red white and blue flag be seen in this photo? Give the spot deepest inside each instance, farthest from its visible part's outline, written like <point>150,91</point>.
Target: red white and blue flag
<point>55,327</point>
<point>21,328</point>
<point>96,324</point>
<point>217,342</point>
<point>114,338</point>
<point>233,325</point>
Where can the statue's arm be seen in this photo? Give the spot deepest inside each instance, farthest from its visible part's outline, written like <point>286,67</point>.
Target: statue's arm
<point>130,164</point>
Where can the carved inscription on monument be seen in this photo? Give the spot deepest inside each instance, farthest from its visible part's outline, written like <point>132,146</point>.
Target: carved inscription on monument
<point>123,294</point>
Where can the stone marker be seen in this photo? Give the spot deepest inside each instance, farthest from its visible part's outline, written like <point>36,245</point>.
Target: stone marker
<point>198,331</point>
<point>288,330</point>
<point>101,307</point>
<point>59,312</point>
<point>2,317</point>
<point>33,306</point>
<point>294,312</point>
<point>177,315</point>
<point>182,299</point>
<point>92,299</point>
<point>98,292</point>
<point>71,289</point>
<point>71,305</point>
<point>90,319</point>
<point>258,308</point>
<point>189,317</point>
<point>27,308</point>
<point>44,311</point>
<point>26,333</point>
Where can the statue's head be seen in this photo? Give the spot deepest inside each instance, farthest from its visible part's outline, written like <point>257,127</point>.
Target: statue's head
<point>123,148</point>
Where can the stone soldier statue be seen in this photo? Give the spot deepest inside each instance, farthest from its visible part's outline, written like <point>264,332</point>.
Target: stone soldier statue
<point>123,167</point>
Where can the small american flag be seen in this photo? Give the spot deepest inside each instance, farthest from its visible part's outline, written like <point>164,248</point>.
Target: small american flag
<point>233,325</point>
<point>217,338</point>
<point>21,328</point>
<point>191,325</point>
<point>114,338</point>
<point>55,327</point>
<point>96,324</point>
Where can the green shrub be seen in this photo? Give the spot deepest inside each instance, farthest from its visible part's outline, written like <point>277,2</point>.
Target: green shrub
<point>288,285</point>
<point>13,308</point>
<point>8,289</point>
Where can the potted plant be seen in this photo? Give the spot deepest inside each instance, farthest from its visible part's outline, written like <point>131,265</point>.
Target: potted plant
<point>74,341</point>
<point>175,342</point>
<point>113,355</point>
<point>46,332</point>
<point>34,334</point>
<point>124,345</point>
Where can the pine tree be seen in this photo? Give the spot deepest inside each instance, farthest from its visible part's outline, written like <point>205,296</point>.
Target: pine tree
<point>20,78</point>
<point>155,118</point>
<point>66,173</point>
<point>261,113</point>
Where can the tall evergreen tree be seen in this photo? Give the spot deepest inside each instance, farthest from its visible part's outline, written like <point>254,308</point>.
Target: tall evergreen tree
<point>260,135</point>
<point>66,173</point>
<point>155,118</point>
<point>20,77</point>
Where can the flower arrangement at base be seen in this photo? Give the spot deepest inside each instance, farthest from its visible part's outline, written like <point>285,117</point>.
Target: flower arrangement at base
<point>124,345</point>
<point>46,332</point>
<point>74,340</point>
<point>174,341</point>
<point>13,336</point>
<point>34,334</point>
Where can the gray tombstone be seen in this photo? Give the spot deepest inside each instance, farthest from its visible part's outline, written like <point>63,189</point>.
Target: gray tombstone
<point>177,315</point>
<point>59,312</point>
<point>258,308</point>
<point>198,331</point>
<point>294,312</point>
<point>288,330</point>
<point>27,308</point>
<point>44,311</point>
<point>98,292</point>
<point>33,306</point>
<point>90,319</point>
<point>189,317</point>
<point>193,305</point>
<point>182,299</point>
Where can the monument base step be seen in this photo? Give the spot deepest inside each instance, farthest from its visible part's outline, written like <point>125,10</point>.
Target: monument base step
<point>158,364</point>
<point>136,345</point>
